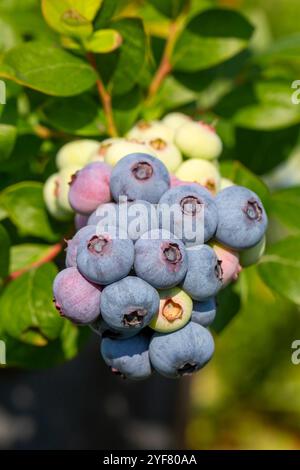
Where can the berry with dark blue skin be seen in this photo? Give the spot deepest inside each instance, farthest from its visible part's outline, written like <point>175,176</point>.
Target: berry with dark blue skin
<point>106,257</point>
<point>242,218</point>
<point>160,259</point>
<point>204,312</point>
<point>75,298</point>
<point>139,176</point>
<point>128,358</point>
<point>182,352</point>
<point>204,277</point>
<point>129,304</point>
<point>136,217</point>
<point>194,215</point>
<point>72,245</point>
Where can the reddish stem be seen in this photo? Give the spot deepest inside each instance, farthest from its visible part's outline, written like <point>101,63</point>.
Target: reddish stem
<point>105,98</point>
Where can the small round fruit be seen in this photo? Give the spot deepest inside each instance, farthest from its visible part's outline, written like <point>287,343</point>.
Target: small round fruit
<point>106,257</point>
<point>167,152</point>
<point>198,140</point>
<point>99,154</point>
<point>129,304</point>
<point>200,171</point>
<point>128,358</point>
<point>84,234</point>
<point>76,153</point>
<point>75,298</point>
<point>90,187</point>
<point>175,310</point>
<point>160,259</point>
<point>204,277</point>
<point>204,312</point>
<point>120,149</point>
<point>144,131</point>
<point>189,212</point>
<point>50,193</point>
<point>230,263</point>
<point>175,120</point>
<point>252,255</point>
<point>242,218</point>
<point>102,329</point>
<point>139,176</point>
<point>65,177</point>
<point>182,352</point>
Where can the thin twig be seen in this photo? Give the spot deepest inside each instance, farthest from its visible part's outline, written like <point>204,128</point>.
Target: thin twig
<point>105,98</point>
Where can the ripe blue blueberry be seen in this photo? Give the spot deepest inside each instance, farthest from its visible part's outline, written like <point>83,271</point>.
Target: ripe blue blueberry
<point>242,218</point>
<point>75,298</point>
<point>136,217</point>
<point>128,358</point>
<point>193,215</point>
<point>160,259</point>
<point>204,277</point>
<point>139,176</point>
<point>72,245</point>
<point>182,352</point>
<point>204,312</point>
<point>106,257</point>
<point>129,304</point>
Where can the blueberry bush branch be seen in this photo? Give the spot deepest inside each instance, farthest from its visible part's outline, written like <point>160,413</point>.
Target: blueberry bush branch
<point>105,98</point>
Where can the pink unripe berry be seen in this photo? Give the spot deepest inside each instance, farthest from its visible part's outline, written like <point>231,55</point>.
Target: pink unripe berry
<point>90,187</point>
<point>230,265</point>
<point>76,298</point>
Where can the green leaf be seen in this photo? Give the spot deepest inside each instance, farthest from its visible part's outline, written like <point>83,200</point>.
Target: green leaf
<point>283,49</point>
<point>267,116</point>
<point>8,135</point>
<point>71,17</point>
<point>285,206</point>
<point>104,41</point>
<point>83,119</point>
<point>25,255</point>
<point>280,268</point>
<point>241,176</point>
<point>105,13</point>
<point>126,109</point>
<point>210,38</point>
<point>27,310</point>
<point>47,69</point>
<point>5,254</point>
<point>170,8</point>
<point>24,205</point>
<point>122,68</point>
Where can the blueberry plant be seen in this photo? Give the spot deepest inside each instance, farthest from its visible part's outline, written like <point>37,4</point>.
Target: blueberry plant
<point>78,72</point>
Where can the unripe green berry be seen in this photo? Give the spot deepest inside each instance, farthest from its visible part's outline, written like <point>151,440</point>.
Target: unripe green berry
<point>200,171</point>
<point>167,152</point>
<point>100,154</point>
<point>198,140</point>
<point>50,193</point>
<point>76,153</point>
<point>144,131</point>
<point>252,255</point>
<point>175,120</point>
<point>225,183</point>
<point>124,147</point>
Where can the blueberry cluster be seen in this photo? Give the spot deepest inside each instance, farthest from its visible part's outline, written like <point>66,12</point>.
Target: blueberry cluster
<point>150,256</point>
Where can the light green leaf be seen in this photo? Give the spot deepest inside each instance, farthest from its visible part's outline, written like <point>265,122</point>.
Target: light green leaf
<point>285,206</point>
<point>103,41</point>
<point>24,205</point>
<point>27,254</point>
<point>210,38</point>
<point>47,69</point>
<point>71,17</point>
<point>280,268</point>
<point>84,119</point>
<point>267,116</point>
<point>27,310</point>
<point>8,135</point>
<point>240,175</point>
